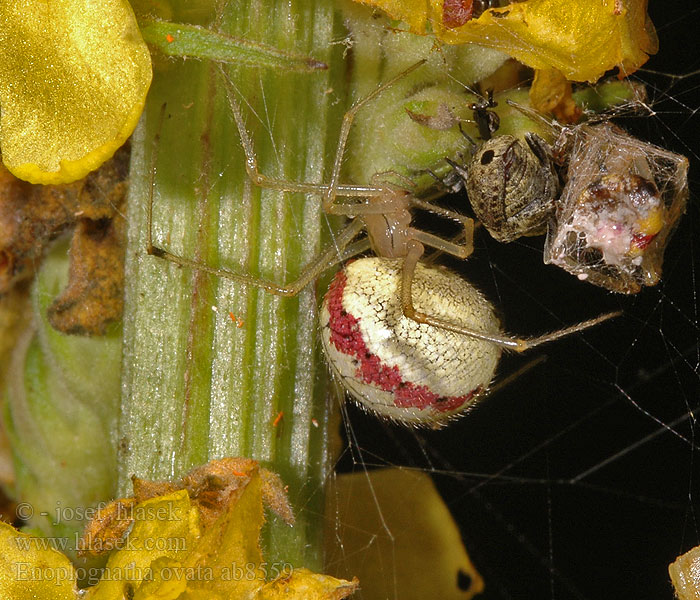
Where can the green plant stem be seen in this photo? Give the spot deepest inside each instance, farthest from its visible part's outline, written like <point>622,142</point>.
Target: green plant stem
<point>195,385</point>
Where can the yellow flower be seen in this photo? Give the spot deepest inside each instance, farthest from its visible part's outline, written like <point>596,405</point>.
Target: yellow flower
<point>582,39</point>
<point>73,81</point>
<point>170,552</point>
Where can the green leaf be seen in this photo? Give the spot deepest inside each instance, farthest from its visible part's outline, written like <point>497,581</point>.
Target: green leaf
<point>61,414</point>
<point>181,39</point>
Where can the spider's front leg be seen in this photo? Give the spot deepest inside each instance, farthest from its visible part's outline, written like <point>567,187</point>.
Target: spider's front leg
<point>334,188</point>
<point>262,180</point>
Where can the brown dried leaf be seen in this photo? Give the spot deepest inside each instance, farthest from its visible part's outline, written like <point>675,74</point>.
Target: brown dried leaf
<point>31,216</point>
<point>104,532</point>
<point>94,296</point>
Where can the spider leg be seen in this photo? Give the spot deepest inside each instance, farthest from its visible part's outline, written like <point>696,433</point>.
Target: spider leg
<point>527,343</point>
<point>509,379</point>
<point>458,250</point>
<point>333,188</point>
<point>338,252</point>
<point>152,183</point>
<point>517,344</point>
<point>442,245</point>
<point>261,180</point>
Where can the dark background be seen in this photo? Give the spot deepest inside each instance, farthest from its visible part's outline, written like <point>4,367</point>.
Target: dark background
<point>515,472</point>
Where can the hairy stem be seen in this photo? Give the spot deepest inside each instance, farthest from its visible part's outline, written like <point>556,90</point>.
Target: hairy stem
<point>213,368</point>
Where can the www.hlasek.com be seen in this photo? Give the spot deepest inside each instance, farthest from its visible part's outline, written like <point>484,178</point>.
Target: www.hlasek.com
<point>233,572</point>
<point>62,544</point>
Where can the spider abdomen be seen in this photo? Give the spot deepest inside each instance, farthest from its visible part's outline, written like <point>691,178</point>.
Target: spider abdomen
<point>407,371</point>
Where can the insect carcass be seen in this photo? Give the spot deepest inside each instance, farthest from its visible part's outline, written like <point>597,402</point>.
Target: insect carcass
<point>622,201</point>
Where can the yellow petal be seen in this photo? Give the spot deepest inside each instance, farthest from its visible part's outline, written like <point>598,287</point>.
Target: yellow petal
<point>224,562</point>
<point>169,554</point>
<point>417,14</point>
<point>551,92</point>
<point>398,549</point>
<point>31,570</point>
<point>229,549</point>
<point>302,584</point>
<point>167,582</point>
<point>73,80</point>
<point>685,575</point>
<point>581,39</point>
<point>164,531</point>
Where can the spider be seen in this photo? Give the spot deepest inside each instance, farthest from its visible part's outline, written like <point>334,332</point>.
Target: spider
<point>410,342</point>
